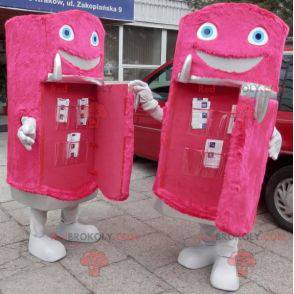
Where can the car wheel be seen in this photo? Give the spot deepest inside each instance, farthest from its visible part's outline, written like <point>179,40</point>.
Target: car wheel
<point>279,197</point>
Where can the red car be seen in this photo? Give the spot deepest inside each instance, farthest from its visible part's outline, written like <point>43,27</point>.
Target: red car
<point>278,181</point>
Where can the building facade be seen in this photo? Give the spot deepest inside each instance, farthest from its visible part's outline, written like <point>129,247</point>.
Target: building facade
<point>137,41</point>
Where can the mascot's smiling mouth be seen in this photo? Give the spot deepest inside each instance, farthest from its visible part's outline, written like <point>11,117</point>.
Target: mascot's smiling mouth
<point>230,65</point>
<point>84,64</point>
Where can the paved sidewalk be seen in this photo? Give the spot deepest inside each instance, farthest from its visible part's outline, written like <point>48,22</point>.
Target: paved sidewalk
<point>138,250</point>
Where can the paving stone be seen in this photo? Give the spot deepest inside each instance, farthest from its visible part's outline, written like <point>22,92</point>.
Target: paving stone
<point>272,272</point>
<point>124,277</point>
<point>97,210</point>
<point>142,210</point>
<point>251,288</point>
<point>12,205</point>
<point>3,156</point>
<point>15,258</point>
<point>177,229</point>
<point>5,194</point>
<point>22,215</point>
<point>3,138</point>
<point>142,185</point>
<point>123,228</point>
<point>278,241</point>
<point>152,251</point>
<point>77,251</point>
<point>250,247</point>
<point>3,216</point>
<point>187,281</point>
<point>133,197</point>
<point>50,279</point>
<point>11,232</point>
<point>264,222</point>
<point>12,251</point>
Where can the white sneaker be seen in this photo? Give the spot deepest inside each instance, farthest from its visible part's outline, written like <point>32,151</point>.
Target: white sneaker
<point>197,257</point>
<point>46,249</point>
<point>78,232</point>
<point>224,276</point>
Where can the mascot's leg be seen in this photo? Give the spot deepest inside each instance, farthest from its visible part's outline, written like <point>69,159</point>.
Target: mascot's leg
<point>224,274</point>
<point>40,245</point>
<point>202,255</point>
<point>70,229</point>
<point>216,248</point>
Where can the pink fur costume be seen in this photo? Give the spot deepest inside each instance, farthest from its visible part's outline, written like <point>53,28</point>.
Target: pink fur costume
<point>84,136</point>
<point>221,114</point>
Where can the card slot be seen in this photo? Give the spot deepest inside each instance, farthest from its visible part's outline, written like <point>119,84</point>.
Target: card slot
<point>64,156</point>
<point>195,163</point>
<point>217,124</point>
<point>210,171</point>
<point>82,111</point>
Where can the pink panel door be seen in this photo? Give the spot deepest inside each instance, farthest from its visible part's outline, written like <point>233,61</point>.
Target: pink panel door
<point>114,140</point>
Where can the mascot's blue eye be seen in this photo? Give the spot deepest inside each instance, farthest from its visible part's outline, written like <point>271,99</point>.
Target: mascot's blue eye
<point>94,39</point>
<point>258,36</point>
<point>66,33</point>
<point>207,32</point>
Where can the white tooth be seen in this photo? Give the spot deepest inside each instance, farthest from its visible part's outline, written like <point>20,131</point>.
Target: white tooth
<point>262,97</point>
<point>184,75</point>
<point>57,70</point>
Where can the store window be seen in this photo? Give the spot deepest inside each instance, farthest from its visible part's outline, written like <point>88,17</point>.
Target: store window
<point>285,95</point>
<point>141,45</point>
<point>111,52</point>
<point>171,44</point>
<point>141,52</point>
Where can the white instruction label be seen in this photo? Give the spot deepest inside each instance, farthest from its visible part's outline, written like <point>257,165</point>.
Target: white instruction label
<point>73,145</point>
<point>83,111</point>
<point>200,103</point>
<point>199,119</point>
<point>213,151</point>
<point>200,111</point>
<point>62,110</point>
<point>232,119</point>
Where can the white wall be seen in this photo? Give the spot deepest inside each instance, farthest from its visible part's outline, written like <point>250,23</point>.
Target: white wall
<point>160,13</point>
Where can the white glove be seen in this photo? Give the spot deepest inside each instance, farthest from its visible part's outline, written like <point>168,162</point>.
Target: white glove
<point>143,94</point>
<point>27,132</point>
<point>275,145</point>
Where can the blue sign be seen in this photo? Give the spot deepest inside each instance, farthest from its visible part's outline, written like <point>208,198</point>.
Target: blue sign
<point>108,9</point>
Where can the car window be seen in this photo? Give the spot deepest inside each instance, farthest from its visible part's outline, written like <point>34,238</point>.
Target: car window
<point>159,83</point>
<point>285,95</point>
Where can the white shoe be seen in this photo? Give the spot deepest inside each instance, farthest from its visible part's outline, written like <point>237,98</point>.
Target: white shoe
<point>224,276</point>
<point>46,249</point>
<point>197,257</point>
<point>78,232</point>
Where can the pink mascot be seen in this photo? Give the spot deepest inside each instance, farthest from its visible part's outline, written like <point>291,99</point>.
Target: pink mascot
<point>69,133</point>
<point>218,127</point>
